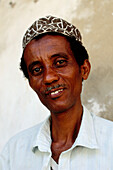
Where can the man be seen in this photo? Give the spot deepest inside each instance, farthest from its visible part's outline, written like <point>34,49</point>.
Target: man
<point>56,63</point>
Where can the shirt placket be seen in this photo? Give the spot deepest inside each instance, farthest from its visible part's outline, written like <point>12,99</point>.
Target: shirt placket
<point>64,161</point>
<point>46,162</point>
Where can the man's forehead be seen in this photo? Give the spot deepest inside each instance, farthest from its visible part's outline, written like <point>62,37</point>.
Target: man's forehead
<point>51,24</point>
<point>49,43</point>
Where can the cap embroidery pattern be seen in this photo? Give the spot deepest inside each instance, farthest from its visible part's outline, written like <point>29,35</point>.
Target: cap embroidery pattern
<point>51,24</point>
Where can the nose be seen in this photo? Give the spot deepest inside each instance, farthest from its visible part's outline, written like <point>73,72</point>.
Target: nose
<point>50,76</point>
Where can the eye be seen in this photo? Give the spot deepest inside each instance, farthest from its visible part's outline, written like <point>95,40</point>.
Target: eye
<point>61,63</point>
<point>36,71</point>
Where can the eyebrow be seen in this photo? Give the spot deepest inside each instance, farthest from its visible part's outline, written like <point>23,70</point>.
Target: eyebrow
<point>60,55</point>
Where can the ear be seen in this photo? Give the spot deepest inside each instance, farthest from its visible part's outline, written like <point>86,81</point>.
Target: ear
<point>85,69</point>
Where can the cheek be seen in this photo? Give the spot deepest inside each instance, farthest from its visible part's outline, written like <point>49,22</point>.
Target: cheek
<point>34,84</point>
<point>73,75</point>
<point>75,81</point>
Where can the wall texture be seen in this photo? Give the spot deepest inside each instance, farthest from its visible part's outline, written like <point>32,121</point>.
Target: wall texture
<point>19,105</point>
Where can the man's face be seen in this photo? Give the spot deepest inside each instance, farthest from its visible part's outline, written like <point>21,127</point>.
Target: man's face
<point>53,72</point>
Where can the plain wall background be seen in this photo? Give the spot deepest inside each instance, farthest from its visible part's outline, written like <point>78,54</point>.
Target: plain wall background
<point>19,105</point>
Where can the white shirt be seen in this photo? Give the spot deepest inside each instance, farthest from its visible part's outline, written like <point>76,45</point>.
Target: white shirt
<point>92,149</point>
<point>53,164</point>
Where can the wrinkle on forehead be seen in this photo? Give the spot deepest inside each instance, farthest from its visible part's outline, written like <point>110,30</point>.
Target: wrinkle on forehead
<point>45,44</point>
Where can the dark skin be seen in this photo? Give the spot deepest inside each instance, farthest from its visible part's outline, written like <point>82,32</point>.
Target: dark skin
<point>57,79</point>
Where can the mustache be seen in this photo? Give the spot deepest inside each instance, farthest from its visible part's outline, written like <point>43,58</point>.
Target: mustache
<point>54,87</point>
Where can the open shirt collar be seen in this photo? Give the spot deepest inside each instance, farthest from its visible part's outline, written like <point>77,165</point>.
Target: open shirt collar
<point>86,136</point>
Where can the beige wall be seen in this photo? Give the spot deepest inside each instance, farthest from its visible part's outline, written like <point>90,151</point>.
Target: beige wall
<point>19,106</point>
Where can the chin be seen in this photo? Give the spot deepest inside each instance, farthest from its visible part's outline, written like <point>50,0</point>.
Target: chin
<point>60,108</point>
<point>58,105</point>
<point>58,111</point>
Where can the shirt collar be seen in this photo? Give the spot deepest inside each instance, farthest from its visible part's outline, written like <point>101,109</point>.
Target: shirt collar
<point>43,139</point>
<point>86,136</point>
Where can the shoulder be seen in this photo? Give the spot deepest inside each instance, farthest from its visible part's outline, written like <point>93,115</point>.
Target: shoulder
<point>24,138</point>
<point>19,147</point>
<point>104,131</point>
<point>102,124</point>
<point>28,132</point>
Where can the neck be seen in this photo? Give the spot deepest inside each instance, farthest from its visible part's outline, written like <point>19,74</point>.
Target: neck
<point>65,126</point>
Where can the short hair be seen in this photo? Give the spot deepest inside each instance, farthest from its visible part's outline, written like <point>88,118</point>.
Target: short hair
<point>79,51</point>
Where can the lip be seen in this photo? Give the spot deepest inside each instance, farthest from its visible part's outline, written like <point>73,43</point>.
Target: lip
<point>55,93</point>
